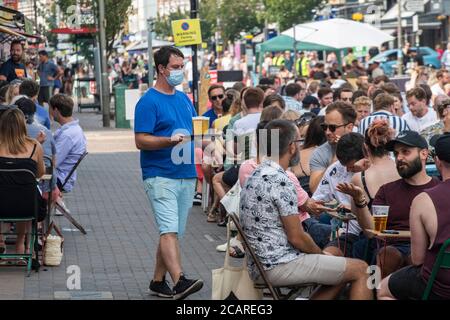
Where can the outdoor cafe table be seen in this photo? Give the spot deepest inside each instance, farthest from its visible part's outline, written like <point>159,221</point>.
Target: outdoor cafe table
<point>347,218</point>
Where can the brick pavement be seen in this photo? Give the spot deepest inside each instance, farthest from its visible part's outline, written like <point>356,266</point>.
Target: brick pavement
<point>117,254</point>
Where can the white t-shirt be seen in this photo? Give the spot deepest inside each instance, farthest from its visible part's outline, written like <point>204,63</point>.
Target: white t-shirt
<point>418,124</point>
<point>437,90</point>
<point>326,191</point>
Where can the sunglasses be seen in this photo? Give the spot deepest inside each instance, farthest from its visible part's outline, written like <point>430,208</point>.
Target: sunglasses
<point>331,127</point>
<point>303,121</point>
<point>220,96</point>
<point>301,141</point>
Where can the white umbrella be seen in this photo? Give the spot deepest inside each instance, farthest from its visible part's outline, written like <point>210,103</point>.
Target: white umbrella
<point>339,33</point>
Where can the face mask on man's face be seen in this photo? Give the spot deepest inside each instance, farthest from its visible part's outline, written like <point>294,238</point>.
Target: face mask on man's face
<point>175,77</point>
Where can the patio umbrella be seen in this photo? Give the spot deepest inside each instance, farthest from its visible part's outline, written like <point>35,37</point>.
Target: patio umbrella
<point>339,34</point>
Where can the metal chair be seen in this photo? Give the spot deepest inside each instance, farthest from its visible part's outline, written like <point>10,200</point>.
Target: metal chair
<point>22,182</point>
<point>442,262</point>
<point>275,291</point>
<point>72,171</point>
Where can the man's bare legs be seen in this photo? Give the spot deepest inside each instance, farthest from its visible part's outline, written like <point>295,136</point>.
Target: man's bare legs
<point>384,293</point>
<point>356,274</point>
<point>391,262</point>
<point>168,257</point>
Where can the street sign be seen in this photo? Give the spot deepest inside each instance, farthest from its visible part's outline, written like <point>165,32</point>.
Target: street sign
<point>186,32</point>
<point>414,5</point>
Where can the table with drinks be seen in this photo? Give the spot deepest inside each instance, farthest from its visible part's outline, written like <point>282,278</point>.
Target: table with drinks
<point>380,216</point>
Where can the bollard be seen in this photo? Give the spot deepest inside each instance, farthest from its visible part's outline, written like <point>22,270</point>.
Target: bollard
<point>119,93</point>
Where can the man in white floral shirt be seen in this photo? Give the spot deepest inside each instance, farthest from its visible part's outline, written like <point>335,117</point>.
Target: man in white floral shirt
<point>269,217</point>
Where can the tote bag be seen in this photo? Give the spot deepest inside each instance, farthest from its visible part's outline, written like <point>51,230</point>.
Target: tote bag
<point>232,282</point>
<point>231,199</point>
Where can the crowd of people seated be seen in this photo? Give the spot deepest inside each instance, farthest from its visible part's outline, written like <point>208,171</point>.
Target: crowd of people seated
<point>308,148</point>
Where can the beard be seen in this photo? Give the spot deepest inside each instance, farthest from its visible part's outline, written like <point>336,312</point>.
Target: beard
<point>407,170</point>
<point>16,58</point>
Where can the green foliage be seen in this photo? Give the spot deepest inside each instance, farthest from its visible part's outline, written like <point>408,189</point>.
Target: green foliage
<point>288,12</point>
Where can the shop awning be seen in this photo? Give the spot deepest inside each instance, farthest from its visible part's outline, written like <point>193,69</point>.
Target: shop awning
<point>10,32</point>
<point>74,31</point>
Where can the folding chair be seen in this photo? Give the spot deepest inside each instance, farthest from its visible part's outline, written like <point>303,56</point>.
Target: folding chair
<point>21,182</point>
<point>275,291</point>
<point>61,208</point>
<point>442,262</point>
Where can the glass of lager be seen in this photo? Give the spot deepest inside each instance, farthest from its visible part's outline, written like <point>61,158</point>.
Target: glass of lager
<point>380,215</point>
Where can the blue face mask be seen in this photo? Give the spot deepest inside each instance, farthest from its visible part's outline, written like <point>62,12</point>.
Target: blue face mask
<point>175,78</point>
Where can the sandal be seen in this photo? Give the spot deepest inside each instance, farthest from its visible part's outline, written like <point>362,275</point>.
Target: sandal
<point>236,252</point>
<point>22,262</point>
<point>212,216</point>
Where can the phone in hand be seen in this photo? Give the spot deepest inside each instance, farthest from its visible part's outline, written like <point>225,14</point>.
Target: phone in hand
<point>390,232</point>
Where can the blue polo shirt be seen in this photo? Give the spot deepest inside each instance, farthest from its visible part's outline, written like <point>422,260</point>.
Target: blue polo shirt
<point>163,115</point>
<point>212,116</point>
<point>13,71</point>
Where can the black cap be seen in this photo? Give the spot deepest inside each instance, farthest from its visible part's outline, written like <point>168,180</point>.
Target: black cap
<point>409,138</point>
<point>441,144</point>
<point>308,100</point>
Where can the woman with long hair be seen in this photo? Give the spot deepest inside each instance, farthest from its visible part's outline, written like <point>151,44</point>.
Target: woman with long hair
<point>25,153</point>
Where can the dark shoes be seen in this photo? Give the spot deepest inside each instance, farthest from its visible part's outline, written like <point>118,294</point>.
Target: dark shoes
<point>197,199</point>
<point>161,288</point>
<point>185,287</point>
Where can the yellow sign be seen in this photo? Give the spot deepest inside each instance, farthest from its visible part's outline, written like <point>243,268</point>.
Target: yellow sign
<point>186,32</point>
<point>357,16</point>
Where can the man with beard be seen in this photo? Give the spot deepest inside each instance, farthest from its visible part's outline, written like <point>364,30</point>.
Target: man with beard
<point>269,216</point>
<point>13,68</point>
<point>411,152</point>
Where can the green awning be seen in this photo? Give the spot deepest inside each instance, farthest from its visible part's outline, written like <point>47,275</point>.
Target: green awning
<point>283,42</point>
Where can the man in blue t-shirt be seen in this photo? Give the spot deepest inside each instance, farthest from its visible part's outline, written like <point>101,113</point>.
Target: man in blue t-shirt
<point>163,126</point>
<point>216,94</point>
<point>12,69</point>
<point>48,71</point>
<point>30,88</point>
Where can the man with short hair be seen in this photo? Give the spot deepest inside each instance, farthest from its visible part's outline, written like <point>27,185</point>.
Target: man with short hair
<point>69,139</point>
<point>430,228</point>
<point>294,97</point>
<point>325,97</point>
<point>216,94</point>
<point>420,115</point>
<point>269,217</point>
<point>48,71</point>
<point>411,152</point>
<point>163,118</point>
<point>339,120</point>
<point>345,94</point>
<point>443,77</point>
<point>383,107</point>
<point>30,88</point>
<point>363,105</point>
<point>13,69</point>
<point>349,151</point>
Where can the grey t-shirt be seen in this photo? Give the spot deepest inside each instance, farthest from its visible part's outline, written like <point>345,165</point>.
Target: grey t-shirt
<point>45,70</point>
<point>321,157</point>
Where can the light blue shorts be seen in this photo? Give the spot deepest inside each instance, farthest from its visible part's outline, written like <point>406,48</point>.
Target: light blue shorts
<point>170,200</point>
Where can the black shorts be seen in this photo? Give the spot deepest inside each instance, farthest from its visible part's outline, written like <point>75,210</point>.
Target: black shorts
<point>231,176</point>
<point>408,284</point>
<point>44,94</point>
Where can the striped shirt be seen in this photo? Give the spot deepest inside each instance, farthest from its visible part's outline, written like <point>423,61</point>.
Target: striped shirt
<point>397,123</point>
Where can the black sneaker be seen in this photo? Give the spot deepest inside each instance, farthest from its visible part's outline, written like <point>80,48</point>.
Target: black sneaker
<point>185,287</point>
<point>198,199</point>
<point>161,288</point>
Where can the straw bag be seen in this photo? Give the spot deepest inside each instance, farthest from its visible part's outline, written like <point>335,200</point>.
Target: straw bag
<point>53,247</point>
<point>231,283</point>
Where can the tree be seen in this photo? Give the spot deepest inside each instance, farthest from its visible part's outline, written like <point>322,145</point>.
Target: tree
<point>116,15</point>
<point>163,25</point>
<point>288,12</point>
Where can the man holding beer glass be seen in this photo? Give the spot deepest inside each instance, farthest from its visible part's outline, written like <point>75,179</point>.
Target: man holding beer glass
<point>391,205</point>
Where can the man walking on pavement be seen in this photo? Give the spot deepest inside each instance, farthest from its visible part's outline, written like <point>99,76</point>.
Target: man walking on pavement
<point>48,71</point>
<point>163,117</point>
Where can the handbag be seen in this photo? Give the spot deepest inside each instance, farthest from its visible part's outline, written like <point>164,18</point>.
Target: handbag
<point>53,246</point>
<point>231,283</point>
<point>232,198</point>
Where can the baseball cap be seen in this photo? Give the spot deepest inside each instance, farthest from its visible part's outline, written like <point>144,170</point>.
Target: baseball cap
<point>441,144</point>
<point>409,138</point>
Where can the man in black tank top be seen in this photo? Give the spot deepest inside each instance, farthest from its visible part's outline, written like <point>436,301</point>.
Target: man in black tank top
<point>430,228</point>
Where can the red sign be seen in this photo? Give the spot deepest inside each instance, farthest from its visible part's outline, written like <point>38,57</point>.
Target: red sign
<point>213,76</point>
<point>13,4</point>
<point>74,31</point>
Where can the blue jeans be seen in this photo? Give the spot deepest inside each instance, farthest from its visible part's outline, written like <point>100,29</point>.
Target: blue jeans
<point>170,200</point>
<point>318,231</point>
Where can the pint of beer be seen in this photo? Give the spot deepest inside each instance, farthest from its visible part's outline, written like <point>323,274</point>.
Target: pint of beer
<point>201,125</point>
<point>380,216</point>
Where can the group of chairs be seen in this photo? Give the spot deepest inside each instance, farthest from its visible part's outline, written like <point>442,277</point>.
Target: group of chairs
<point>25,183</point>
<point>292,292</point>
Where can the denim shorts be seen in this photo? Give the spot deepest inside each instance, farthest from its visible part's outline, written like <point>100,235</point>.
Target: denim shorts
<point>170,201</point>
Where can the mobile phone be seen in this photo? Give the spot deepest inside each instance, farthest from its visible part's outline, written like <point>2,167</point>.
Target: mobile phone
<point>390,232</point>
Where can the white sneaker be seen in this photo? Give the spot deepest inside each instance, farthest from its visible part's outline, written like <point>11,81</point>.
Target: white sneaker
<point>223,247</point>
